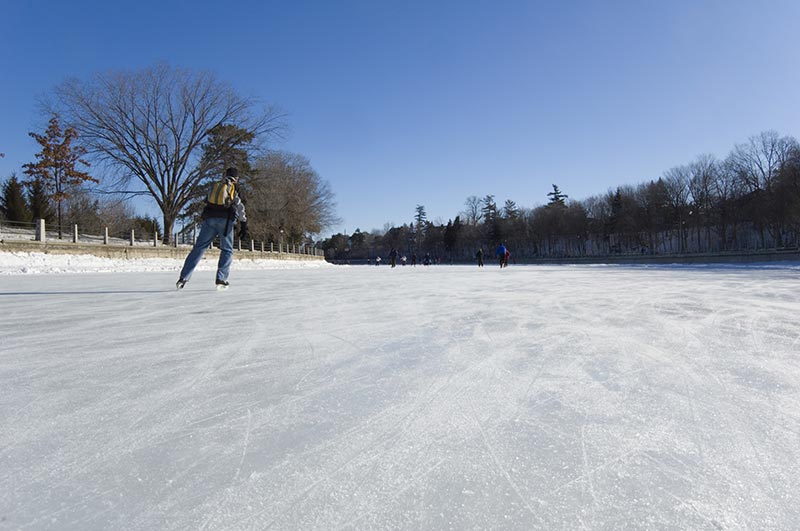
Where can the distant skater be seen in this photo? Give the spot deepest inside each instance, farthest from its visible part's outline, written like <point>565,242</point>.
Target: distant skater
<point>393,257</point>
<point>479,256</point>
<point>223,208</point>
<point>502,254</point>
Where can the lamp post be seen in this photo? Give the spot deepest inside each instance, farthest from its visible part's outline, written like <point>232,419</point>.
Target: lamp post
<point>689,219</point>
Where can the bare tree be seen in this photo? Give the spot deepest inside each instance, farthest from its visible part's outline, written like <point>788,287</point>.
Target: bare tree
<point>472,213</point>
<point>758,163</point>
<point>676,181</point>
<point>726,189</point>
<point>151,125</point>
<point>287,200</point>
<point>702,174</point>
<point>93,212</point>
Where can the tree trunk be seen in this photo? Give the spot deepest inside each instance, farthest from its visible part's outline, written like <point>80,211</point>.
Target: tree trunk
<point>59,218</point>
<point>169,223</point>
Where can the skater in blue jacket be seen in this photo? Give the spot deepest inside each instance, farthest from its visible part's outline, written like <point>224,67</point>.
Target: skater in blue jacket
<point>503,255</point>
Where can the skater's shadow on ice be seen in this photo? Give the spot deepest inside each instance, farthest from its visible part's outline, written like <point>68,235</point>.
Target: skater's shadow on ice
<point>85,292</point>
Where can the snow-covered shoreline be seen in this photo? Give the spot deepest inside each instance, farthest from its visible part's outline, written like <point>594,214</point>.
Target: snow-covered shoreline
<point>32,263</point>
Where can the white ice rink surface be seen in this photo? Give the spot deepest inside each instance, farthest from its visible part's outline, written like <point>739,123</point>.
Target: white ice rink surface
<point>427,398</point>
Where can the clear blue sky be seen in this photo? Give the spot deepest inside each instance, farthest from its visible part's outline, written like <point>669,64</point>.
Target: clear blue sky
<point>425,102</point>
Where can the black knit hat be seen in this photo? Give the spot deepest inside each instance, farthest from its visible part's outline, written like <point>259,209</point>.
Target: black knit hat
<point>232,173</point>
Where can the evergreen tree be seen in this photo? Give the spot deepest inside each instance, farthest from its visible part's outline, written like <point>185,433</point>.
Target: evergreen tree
<point>56,165</point>
<point>357,239</point>
<point>14,206</point>
<point>39,201</point>
<point>457,225</point>
<point>144,226</point>
<point>489,210</point>
<point>336,247</point>
<point>510,210</point>
<point>557,198</point>
<point>420,220</point>
<point>451,234</point>
<point>420,217</point>
<point>491,221</point>
<point>227,146</point>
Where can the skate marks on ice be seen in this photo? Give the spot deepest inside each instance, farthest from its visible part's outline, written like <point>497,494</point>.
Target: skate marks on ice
<point>427,398</point>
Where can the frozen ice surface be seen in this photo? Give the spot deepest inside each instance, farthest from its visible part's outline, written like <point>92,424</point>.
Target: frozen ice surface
<point>426,398</point>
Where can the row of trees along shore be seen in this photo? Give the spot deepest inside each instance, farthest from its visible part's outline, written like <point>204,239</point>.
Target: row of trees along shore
<point>746,202</point>
<point>167,134</point>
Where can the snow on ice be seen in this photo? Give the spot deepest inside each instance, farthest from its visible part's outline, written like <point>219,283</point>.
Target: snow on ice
<point>370,398</point>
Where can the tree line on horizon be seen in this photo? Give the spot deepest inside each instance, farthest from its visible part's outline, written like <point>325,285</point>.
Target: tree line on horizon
<point>168,134</point>
<point>747,201</point>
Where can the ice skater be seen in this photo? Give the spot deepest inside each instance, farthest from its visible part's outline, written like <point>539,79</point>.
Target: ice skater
<point>223,209</point>
<point>503,254</point>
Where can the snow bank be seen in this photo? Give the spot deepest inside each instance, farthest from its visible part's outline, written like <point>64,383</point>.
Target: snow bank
<point>25,263</point>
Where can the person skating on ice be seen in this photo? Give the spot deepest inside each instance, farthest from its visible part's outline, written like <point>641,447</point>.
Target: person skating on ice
<point>223,209</point>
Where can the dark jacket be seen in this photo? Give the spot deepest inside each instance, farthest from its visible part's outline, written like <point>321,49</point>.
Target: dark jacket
<point>233,212</point>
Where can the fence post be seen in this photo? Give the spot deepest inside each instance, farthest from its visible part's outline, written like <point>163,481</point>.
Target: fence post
<point>75,233</point>
<point>194,234</point>
<point>271,247</point>
<point>175,240</point>
<point>132,239</point>
<point>105,235</point>
<point>262,246</point>
<point>40,231</point>
<point>155,238</point>
<point>252,246</point>
<point>239,245</point>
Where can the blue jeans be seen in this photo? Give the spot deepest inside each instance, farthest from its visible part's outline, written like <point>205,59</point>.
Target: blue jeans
<point>211,228</point>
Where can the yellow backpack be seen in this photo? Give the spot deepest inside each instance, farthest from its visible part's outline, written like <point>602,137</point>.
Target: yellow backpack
<point>222,193</point>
